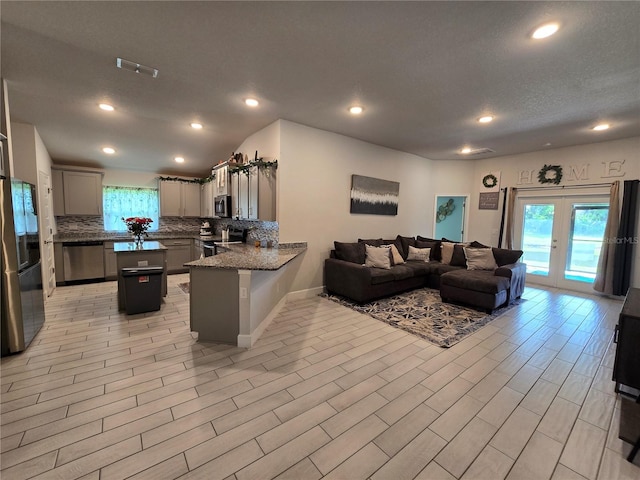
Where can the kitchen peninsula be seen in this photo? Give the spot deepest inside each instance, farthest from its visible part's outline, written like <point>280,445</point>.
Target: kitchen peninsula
<point>146,254</point>
<point>234,294</point>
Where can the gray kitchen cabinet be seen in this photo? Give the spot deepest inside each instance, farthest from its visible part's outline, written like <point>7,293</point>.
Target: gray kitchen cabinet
<point>110,263</point>
<point>76,192</point>
<point>57,192</point>
<point>198,249</point>
<point>254,195</point>
<point>178,253</point>
<point>179,199</point>
<point>207,195</point>
<point>58,262</point>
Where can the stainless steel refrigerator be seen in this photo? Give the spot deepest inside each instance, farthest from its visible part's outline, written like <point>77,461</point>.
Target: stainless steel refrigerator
<point>21,283</point>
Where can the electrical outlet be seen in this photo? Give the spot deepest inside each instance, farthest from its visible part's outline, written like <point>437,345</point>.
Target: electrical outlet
<point>243,292</point>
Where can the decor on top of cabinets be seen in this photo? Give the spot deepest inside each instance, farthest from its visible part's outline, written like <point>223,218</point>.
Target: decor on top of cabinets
<point>374,196</point>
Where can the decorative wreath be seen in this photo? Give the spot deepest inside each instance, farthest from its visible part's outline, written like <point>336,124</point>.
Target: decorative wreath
<point>489,181</point>
<point>556,179</point>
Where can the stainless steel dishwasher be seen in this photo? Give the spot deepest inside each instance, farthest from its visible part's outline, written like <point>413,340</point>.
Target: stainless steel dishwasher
<point>83,260</point>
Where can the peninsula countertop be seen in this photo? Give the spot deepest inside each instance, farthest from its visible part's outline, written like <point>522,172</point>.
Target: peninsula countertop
<point>247,257</point>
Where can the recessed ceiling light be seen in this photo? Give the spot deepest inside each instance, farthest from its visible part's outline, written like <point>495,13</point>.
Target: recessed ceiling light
<point>486,119</point>
<point>106,107</point>
<point>545,30</point>
<point>109,150</point>
<point>465,150</point>
<point>251,102</point>
<point>179,159</point>
<point>196,126</point>
<point>548,144</point>
<point>356,110</point>
<point>602,126</point>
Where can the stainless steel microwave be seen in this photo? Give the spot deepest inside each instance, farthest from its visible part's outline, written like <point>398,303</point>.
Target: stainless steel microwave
<point>222,205</point>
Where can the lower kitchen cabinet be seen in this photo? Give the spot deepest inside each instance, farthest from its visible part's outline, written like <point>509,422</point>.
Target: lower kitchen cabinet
<point>178,253</point>
<point>110,266</point>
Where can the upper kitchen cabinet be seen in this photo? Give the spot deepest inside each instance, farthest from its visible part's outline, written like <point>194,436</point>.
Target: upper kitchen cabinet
<point>208,192</point>
<point>179,198</point>
<point>254,193</point>
<point>76,192</point>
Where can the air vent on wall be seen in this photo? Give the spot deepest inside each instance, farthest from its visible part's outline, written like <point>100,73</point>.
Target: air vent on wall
<point>136,67</point>
<point>478,151</point>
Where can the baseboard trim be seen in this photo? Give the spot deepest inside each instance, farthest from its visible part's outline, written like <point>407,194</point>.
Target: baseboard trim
<point>304,294</point>
<point>247,341</point>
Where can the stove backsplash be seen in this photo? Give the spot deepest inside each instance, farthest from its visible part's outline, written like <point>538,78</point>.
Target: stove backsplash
<point>258,230</point>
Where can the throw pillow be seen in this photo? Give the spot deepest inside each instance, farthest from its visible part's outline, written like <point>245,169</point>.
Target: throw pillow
<point>458,259</point>
<point>475,244</point>
<point>421,254</point>
<point>405,242</point>
<point>480,259</point>
<point>434,246</point>
<point>505,256</point>
<point>350,252</point>
<point>379,257</point>
<point>447,250</point>
<point>396,258</point>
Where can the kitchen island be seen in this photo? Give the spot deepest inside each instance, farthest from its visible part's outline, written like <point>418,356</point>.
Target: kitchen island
<point>147,254</point>
<point>235,294</point>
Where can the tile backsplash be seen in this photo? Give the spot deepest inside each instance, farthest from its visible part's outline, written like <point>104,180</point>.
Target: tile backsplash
<point>258,230</point>
<point>95,224</point>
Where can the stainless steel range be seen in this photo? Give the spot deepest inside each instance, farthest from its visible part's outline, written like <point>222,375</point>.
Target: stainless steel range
<point>236,235</point>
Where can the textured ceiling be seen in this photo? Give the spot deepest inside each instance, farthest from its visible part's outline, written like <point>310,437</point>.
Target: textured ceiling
<point>424,72</point>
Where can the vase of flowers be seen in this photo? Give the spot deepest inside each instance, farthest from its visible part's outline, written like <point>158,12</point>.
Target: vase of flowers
<point>138,227</point>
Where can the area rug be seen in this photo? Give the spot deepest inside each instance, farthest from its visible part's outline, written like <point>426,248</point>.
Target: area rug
<point>422,313</point>
<point>185,287</point>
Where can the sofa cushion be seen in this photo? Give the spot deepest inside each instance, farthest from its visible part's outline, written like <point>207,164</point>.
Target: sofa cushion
<point>442,268</point>
<point>350,252</point>
<point>378,257</point>
<point>475,244</point>
<point>375,242</point>
<point>421,254</point>
<point>480,259</point>
<point>504,256</point>
<point>451,256</point>
<point>457,258</point>
<point>381,275</point>
<point>404,243</point>
<point>401,272</point>
<point>420,267</point>
<point>475,280</point>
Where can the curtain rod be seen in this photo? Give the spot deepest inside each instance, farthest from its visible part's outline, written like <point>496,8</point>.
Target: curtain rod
<point>591,185</point>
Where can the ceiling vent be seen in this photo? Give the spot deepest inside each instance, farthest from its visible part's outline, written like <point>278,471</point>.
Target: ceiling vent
<point>477,151</point>
<point>136,67</point>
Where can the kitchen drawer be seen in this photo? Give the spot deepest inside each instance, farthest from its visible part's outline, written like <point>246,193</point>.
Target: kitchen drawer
<point>178,253</point>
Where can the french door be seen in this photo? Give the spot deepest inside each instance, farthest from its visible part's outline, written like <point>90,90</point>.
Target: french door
<point>561,238</point>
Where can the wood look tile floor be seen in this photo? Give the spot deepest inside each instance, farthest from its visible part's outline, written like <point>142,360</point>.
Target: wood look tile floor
<point>326,392</point>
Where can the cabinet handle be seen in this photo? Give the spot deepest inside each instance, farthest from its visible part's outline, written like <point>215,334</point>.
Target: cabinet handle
<point>615,334</point>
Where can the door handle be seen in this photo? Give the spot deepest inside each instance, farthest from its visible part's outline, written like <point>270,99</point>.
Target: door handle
<point>47,242</point>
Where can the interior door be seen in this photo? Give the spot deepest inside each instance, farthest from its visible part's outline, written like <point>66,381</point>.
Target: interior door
<point>46,234</point>
<point>562,238</point>
<point>449,217</point>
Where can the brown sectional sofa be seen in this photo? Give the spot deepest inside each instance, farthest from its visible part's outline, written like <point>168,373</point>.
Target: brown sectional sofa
<point>346,275</point>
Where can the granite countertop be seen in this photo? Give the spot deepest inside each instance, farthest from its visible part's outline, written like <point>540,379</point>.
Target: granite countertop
<point>130,247</point>
<point>247,257</point>
<point>122,237</point>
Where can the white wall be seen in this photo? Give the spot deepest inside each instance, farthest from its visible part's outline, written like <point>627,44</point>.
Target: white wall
<point>129,178</point>
<point>314,183</point>
<point>484,224</point>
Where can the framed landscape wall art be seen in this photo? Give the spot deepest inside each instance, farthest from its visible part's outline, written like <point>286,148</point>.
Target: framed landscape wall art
<point>374,196</point>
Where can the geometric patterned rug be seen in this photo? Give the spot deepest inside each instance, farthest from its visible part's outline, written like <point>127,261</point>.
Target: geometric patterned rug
<point>422,313</point>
